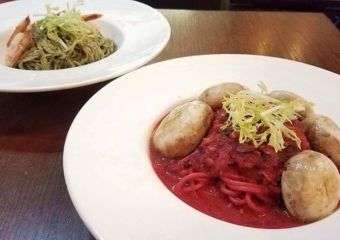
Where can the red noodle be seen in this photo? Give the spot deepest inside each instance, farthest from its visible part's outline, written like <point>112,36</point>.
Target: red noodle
<point>244,186</point>
<point>234,174</point>
<point>227,191</point>
<point>253,205</point>
<point>192,182</point>
<point>237,201</point>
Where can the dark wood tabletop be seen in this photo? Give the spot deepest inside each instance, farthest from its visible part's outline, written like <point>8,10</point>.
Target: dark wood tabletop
<point>34,203</point>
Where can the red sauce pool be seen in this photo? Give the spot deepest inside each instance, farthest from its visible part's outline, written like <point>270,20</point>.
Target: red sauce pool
<point>261,166</point>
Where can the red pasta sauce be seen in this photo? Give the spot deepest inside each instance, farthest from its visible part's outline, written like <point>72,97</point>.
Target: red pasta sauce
<point>234,182</point>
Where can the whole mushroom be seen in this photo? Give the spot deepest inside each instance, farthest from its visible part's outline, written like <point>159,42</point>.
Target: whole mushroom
<point>324,136</point>
<point>215,94</point>
<point>182,129</point>
<point>310,186</point>
<point>305,110</point>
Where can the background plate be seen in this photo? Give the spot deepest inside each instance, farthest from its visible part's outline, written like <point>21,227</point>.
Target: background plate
<point>140,31</point>
<point>106,163</point>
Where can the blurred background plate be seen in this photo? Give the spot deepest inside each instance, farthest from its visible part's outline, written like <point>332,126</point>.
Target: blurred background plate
<point>140,32</point>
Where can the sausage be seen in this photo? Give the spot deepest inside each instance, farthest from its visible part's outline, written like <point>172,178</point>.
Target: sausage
<point>310,186</point>
<point>324,136</point>
<point>182,129</point>
<point>215,94</point>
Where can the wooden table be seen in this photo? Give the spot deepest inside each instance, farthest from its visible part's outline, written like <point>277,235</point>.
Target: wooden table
<point>34,203</point>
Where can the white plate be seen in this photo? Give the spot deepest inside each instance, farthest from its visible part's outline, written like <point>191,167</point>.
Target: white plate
<point>140,31</point>
<point>106,164</point>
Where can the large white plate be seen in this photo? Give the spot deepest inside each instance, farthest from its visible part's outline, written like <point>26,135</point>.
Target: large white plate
<point>106,164</point>
<point>140,31</point>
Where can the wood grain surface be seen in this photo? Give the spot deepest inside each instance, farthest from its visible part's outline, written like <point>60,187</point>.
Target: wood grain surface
<point>34,203</point>
<point>304,37</point>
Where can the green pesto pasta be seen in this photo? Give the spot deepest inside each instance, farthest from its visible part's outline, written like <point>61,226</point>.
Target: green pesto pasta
<point>64,40</point>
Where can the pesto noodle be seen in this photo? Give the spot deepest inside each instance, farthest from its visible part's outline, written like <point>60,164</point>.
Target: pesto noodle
<point>64,40</point>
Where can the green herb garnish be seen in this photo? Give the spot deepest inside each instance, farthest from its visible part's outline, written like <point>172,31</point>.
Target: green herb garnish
<point>260,119</point>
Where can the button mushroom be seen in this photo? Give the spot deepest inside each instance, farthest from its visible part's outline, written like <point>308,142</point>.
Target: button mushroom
<point>284,95</point>
<point>215,94</point>
<point>324,136</point>
<point>310,186</point>
<point>304,110</point>
<point>182,129</point>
